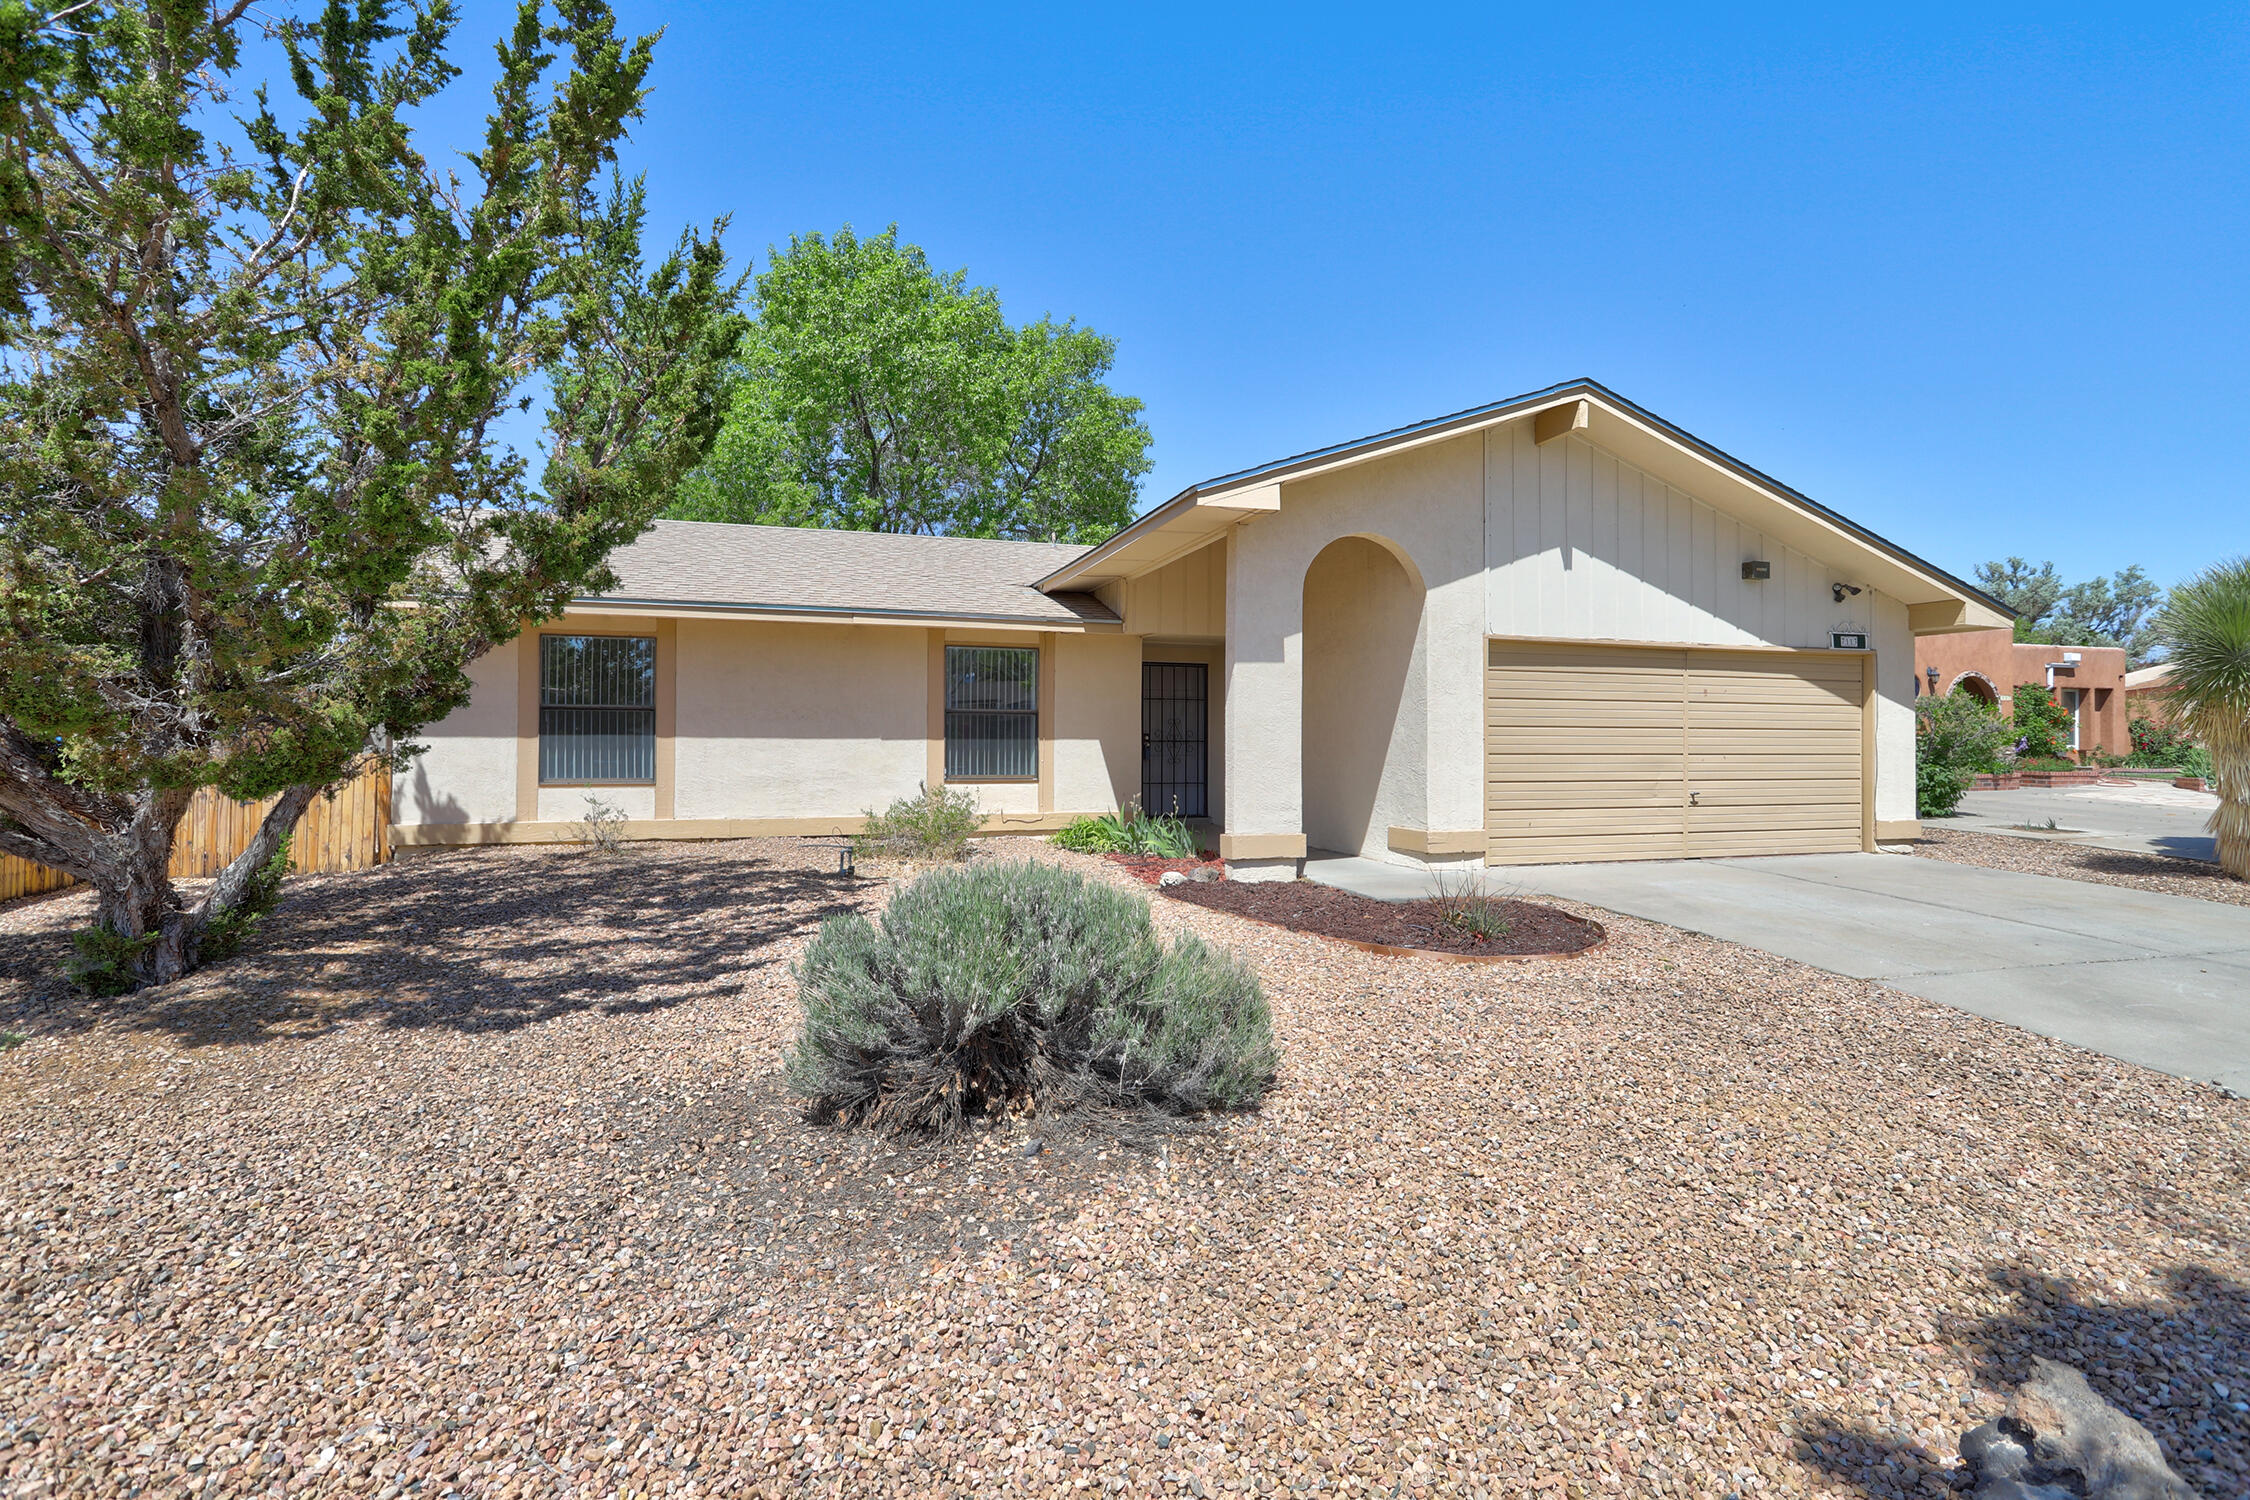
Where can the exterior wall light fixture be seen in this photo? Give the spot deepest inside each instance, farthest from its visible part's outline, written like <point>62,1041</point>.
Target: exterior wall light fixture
<point>1756,572</point>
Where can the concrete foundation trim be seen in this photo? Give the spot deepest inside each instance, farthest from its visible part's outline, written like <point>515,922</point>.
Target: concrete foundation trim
<point>1251,871</point>
<point>457,835</point>
<point>1234,846</point>
<point>1438,841</point>
<point>1896,832</point>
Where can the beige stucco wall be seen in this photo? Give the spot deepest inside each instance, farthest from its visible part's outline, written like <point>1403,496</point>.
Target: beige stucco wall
<point>1097,721</point>
<point>468,774</point>
<point>776,720</point>
<point>786,720</point>
<point>567,804</point>
<point>1895,691</point>
<point>1427,504</point>
<point>1365,718</point>
<point>1585,547</point>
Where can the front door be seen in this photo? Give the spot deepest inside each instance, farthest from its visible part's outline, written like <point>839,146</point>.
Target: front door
<point>1175,737</point>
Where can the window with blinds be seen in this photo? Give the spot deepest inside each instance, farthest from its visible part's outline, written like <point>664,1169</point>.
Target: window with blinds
<point>597,709</point>
<point>991,713</point>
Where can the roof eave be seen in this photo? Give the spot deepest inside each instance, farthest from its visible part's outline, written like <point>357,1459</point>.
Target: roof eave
<point>1491,414</point>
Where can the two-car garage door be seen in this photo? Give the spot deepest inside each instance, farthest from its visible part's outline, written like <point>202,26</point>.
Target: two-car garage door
<point>1620,752</point>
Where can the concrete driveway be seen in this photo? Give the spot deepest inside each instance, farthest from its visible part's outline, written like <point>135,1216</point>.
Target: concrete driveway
<point>2163,981</point>
<point>2153,818</point>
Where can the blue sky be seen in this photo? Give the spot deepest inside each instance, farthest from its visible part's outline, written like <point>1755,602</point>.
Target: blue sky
<point>1974,278</point>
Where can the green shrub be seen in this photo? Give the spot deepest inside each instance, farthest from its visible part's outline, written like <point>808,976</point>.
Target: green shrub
<point>937,823</point>
<point>1938,788</point>
<point>1091,834</point>
<point>1017,985</point>
<point>1955,737</point>
<point>104,958</point>
<point>1131,831</point>
<point>2159,742</point>
<point>2042,725</point>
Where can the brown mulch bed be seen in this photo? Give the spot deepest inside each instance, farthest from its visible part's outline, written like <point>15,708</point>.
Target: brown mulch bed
<point>2147,872</point>
<point>1308,906</point>
<point>475,1175</point>
<point>1148,868</point>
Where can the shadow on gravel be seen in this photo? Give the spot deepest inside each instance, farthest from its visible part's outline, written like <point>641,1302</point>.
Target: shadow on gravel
<point>2189,859</point>
<point>479,940</point>
<point>2164,1363</point>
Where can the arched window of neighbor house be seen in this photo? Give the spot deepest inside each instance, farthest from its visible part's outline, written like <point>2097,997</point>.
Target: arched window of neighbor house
<point>1976,687</point>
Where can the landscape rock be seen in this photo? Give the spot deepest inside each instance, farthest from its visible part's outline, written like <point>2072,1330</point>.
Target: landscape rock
<point>2059,1440</point>
<point>1205,874</point>
<point>1171,877</point>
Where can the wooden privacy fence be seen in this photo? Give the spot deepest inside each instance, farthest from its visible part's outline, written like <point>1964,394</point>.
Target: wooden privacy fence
<point>348,831</point>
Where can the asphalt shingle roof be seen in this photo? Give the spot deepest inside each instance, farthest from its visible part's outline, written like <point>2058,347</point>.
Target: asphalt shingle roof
<point>714,564</point>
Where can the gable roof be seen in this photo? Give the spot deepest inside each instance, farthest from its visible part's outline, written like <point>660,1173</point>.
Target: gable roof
<point>1603,418</point>
<point>724,568</point>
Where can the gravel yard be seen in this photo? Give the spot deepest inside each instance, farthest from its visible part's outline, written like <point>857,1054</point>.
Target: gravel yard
<point>474,1175</point>
<point>2037,856</point>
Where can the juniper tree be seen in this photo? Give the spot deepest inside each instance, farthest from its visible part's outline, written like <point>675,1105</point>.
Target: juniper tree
<point>254,518</point>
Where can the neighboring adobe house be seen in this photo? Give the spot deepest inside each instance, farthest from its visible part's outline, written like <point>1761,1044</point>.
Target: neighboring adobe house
<point>1991,664</point>
<point>2145,693</point>
<point>1553,628</point>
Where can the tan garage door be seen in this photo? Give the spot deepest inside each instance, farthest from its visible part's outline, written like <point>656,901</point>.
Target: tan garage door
<point>1619,752</point>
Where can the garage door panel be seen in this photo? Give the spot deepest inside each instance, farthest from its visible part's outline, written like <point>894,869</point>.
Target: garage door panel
<point>1623,792</point>
<point>1791,816</point>
<point>1592,742</point>
<point>1584,850</point>
<point>1820,717</point>
<point>1762,791</point>
<point>1628,713</point>
<point>1547,655</point>
<point>1593,752</point>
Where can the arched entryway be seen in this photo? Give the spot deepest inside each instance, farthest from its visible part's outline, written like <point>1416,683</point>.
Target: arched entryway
<point>1363,711</point>
<point>1974,684</point>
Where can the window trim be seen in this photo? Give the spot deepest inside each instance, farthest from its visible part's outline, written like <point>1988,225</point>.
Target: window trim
<point>657,733</point>
<point>1037,713</point>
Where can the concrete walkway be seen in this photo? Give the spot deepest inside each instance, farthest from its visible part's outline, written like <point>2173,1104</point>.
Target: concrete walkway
<point>2152,818</point>
<point>2163,981</point>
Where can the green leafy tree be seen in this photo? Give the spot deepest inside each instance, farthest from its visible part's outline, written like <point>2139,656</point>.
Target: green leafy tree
<point>2205,630</point>
<point>2029,592</point>
<point>253,521</point>
<point>2118,610</point>
<point>877,394</point>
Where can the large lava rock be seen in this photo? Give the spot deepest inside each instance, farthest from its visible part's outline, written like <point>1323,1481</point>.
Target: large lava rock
<point>2060,1441</point>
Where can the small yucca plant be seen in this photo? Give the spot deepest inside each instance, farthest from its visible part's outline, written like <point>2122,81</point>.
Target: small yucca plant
<point>2205,629</point>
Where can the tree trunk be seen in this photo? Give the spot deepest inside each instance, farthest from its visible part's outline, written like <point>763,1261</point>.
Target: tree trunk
<point>137,898</point>
<point>132,878</point>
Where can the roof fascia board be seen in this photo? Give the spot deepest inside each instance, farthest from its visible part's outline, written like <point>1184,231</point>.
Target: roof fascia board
<point>840,615</point>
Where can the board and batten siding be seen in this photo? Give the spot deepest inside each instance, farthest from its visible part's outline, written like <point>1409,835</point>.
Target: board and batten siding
<point>1580,545</point>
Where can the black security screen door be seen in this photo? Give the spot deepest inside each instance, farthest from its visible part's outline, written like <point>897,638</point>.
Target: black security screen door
<point>1175,737</point>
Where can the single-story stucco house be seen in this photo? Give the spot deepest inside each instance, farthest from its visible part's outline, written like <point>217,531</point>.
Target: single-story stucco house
<point>1552,628</point>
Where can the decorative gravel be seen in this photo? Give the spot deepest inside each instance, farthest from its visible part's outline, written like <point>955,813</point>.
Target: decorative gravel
<point>2037,856</point>
<point>474,1176</point>
<point>1307,906</point>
